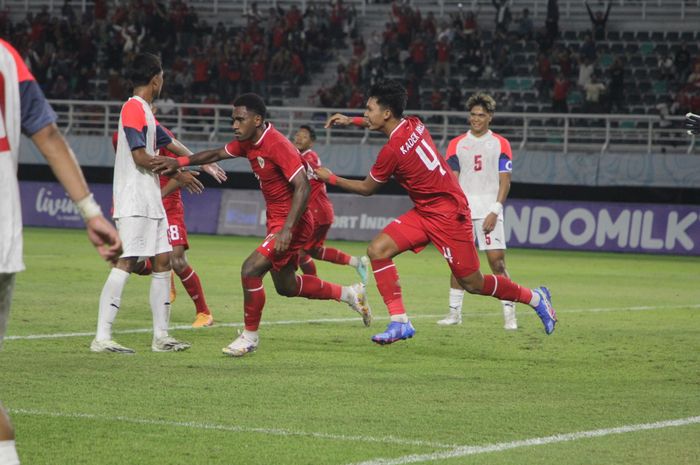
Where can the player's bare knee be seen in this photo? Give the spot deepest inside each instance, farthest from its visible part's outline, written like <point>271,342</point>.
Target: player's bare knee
<point>179,264</point>
<point>286,290</point>
<point>377,251</point>
<point>472,284</point>
<point>498,267</point>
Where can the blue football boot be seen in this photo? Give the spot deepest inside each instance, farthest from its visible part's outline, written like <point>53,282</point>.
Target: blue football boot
<point>396,331</point>
<point>545,310</point>
<point>362,268</point>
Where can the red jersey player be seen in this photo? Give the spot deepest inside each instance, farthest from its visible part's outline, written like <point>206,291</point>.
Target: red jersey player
<point>440,214</point>
<point>177,235</point>
<point>322,210</point>
<point>279,169</point>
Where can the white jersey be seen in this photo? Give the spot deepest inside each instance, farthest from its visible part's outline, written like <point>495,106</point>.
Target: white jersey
<point>479,161</point>
<point>136,189</point>
<point>10,210</point>
<point>24,109</point>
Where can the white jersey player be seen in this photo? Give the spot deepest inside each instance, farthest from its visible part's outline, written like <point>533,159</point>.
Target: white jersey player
<point>24,109</point>
<point>139,212</point>
<point>483,161</point>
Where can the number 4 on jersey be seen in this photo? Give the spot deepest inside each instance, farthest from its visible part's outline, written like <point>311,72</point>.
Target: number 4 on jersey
<point>431,162</point>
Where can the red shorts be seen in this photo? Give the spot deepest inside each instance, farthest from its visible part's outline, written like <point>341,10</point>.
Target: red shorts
<point>177,231</point>
<point>300,236</point>
<point>318,237</point>
<point>453,237</point>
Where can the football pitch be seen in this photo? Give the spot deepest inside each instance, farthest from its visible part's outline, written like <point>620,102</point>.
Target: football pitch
<point>617,383</point>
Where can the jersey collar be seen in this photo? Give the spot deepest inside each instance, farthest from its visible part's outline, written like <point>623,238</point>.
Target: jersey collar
<point>269,126</point>
<point>472,136</point>
<point>401,123</point>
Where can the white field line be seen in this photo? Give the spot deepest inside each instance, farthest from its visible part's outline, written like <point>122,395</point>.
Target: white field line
<point>349,319</point>
<point>463,451</point>
<point>233,428</point>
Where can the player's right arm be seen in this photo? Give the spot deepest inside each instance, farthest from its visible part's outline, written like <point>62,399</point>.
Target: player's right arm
<point>169,166</point>
<point>339,119</point>
<point>366,187</point>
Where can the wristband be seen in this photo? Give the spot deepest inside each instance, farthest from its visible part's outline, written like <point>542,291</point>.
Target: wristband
<point>358,121</point>
<point>333,180</point>
<point>183,161</point>
<point>88,208</point>
<point>496,207</point>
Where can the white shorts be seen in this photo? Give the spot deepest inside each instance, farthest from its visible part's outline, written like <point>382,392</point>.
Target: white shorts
<point>495,240</point>
<point>143,237</point>
<point>7,285</point>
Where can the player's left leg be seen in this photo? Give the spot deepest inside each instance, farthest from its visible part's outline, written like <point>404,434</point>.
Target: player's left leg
<point>8,451</point>
<point>160,293</point>
<point>289,284</point>
<point>317,249</point>
<point>190,281</point>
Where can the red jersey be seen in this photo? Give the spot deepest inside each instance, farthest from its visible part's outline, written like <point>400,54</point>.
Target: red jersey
<point>411,157</point>
<point>275,161</point>
<point>319,204</point>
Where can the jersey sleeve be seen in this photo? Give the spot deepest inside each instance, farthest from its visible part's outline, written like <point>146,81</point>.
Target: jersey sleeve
<point>162,136</point>
<point>36,113</point>
<point>287,157</point>
<point>134,123</point>
<point>505,159</point>
<point>234,149</point>
<point>385,165</point>
<point>451,154</point>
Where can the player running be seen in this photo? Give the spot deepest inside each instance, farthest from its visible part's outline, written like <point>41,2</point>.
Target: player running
<point>322,210</point>
<point>440,214</point>
<point>278,167</point>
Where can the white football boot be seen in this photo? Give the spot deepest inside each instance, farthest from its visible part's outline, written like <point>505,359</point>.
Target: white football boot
<point>109,345</point>
<point>359,303</point>
<point>452,318</point>
<point>169,344</point>
<point>242,345</point>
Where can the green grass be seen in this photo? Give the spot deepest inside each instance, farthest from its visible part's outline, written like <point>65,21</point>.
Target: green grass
<point>323,394</point>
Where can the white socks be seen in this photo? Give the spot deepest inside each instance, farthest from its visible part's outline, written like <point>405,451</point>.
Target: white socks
<point>8,453</point>
<point>535,301</point>
<point>354,262</point>
<point>456,298</point>
<point>160,303</point>
<point>250,335</point>
<point>110,300</point>
<point>401,318</point>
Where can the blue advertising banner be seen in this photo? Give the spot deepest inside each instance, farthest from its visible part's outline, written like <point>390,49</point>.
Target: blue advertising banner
<point>47,204</point>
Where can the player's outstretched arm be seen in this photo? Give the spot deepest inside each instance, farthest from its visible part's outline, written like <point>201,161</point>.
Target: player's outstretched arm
<point>692,123</point>
<point>366,187</point>
<point>338,119</point>
<point>212,169</point>
<point>60,157</point>
<point>168,166</point>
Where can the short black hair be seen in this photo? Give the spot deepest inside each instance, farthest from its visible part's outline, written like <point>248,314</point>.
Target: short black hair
<point>390,94</point>
<point>310,130</point>
<point>252,102</point>
<point>144,67</point>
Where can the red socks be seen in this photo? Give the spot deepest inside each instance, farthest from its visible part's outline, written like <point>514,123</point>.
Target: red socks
<point>307,265</point>
<point>191,282</point>
<point>387,279</point>
<point>504,289</point>
<point>253,302</point>
<point>328,254</point>
<point>311,287</point>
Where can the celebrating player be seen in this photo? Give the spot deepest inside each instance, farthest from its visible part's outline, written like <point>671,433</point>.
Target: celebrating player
<point>25,109</point>
<point>482,161</point>
<point>139,212</point>
<point>440,214</point>
<point>322,210</point>
<point>279,169</point>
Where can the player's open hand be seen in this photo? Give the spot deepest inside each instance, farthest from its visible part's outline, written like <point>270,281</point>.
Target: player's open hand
<point>215,171</point>
<point>323,173</point>
<point>338,120</point>
<point>188,180</point>
<point>282,240</point>
<point>692,123</point>
<point>164,165</point>
<point>104,237</point>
